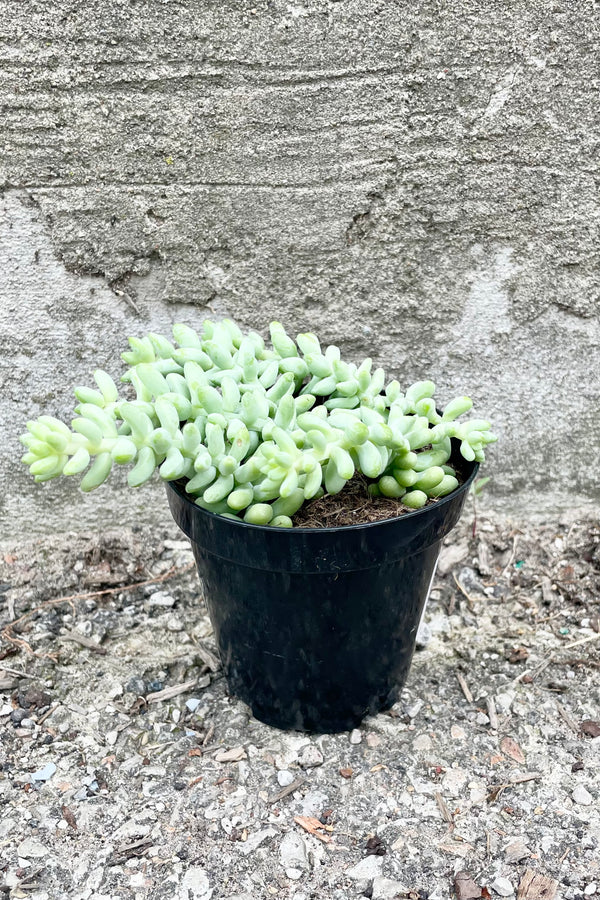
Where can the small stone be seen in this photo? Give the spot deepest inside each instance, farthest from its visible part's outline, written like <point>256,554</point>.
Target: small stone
<point>291,744</point>
<point>451,555</point>
<point>17,716</point>
<point>516,851</point>
<point>161,598</point>
<point>114,691</point>
<point>504,701</point>
<point>373,740</point>
<point>582,796</point>
<point>376,846</point>
<point>34,697</point>
<point>293,874</point>
<point>368,868</point>
<point>173,623</point>
<point>255,840</point>
<point>423,742</point>
<point>6,826</point>
<point>591,728</point>
<point>193,703</point>
<point>413,709</point>
<point>310,757</point>
<point>355,736</point>
<point>136,685</point>
<point>465,888</point>
<point>111,738</point>
<point>388,888</point>
<point>31,848</point>
<point>292,852</point>
<point>44,774</point>
<point>482,719</point>
<point>284,777</point>
<point>195,884</point>
<point>27,724</point>
<point>502,886</point>
<point>546,843</point>
<point>470,581</point>
<point>182,544</point>
<point>313,803</point>
<point>458,733</point>
<point>23,733</point>
<point>235,754</point>
<point>454,781</point>
<point>130,830</point>
<point>423,636</point>
<point>590,889</point>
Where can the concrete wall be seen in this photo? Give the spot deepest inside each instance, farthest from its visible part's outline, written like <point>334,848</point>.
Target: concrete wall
<point>415,181</point>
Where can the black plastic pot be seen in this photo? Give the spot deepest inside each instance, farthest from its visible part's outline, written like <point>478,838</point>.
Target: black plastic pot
<point>316,627</point>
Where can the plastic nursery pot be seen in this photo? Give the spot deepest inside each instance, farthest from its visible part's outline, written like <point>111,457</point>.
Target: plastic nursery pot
<point>316,627</point>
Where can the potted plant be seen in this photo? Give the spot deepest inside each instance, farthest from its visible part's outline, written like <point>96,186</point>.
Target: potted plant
<point>315,625</point>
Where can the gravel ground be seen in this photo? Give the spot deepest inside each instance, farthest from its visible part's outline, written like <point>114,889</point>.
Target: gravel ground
<point>127,772</point>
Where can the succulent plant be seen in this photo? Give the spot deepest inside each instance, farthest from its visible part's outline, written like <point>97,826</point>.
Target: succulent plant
<point>255,431</point>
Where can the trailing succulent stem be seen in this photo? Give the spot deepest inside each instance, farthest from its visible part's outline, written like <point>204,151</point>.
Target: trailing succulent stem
<point>256,431</point>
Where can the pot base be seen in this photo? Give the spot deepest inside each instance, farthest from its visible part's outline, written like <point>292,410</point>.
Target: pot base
<point>313,722</point>
<point>317,653</point>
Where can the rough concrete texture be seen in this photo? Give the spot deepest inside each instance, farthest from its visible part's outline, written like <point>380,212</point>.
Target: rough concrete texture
<point>417,182</point>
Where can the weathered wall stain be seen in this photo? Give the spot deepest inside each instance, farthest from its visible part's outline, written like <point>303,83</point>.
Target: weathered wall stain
<point>486,313</point>
<point>414,182</point>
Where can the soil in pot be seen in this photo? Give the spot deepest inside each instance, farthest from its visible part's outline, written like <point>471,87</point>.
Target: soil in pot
<point>354,505</point>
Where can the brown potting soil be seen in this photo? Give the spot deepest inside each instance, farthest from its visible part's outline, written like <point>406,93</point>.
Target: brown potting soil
<point>352,506</point>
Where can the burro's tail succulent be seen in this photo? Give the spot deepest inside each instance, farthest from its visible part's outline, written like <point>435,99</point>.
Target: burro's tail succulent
<point>255,431</point>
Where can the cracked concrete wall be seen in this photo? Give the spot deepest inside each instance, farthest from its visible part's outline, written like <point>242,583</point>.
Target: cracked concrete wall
<point>416,182</point>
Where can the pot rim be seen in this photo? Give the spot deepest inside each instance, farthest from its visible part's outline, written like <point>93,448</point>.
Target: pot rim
<point>441,501</point>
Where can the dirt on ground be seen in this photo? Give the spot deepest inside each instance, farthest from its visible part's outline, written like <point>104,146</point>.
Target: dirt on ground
<point>128,772</point>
